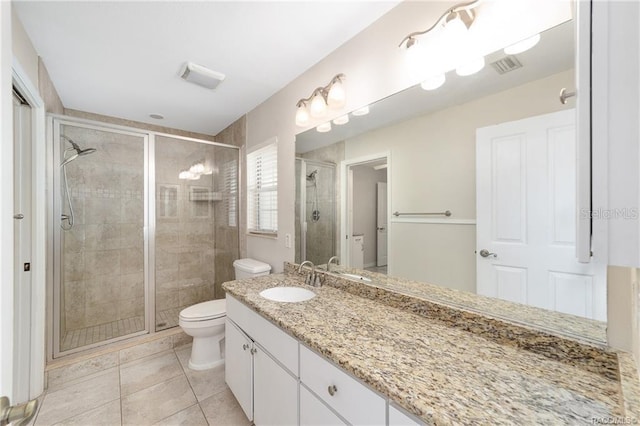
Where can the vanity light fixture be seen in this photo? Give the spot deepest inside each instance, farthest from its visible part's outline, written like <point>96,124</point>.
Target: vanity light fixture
<point>344,119</point>
<point>456,21</point>
<point>324,127</point>
<point>522,46</point>
<point>332,96</point>
<point>361,111</point>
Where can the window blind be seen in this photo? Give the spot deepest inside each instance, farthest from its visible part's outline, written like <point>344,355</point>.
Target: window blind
<point>262,190</point>
<point>230,176</point>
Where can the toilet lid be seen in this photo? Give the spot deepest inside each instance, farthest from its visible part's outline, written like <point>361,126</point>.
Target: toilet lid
<point>205,310</point>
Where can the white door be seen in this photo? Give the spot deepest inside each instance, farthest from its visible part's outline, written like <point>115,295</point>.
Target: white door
<point>526,217</point>
<point>238,368</point>
<point>23,220</point>
<point>381,217</point>
<point>275,398</point>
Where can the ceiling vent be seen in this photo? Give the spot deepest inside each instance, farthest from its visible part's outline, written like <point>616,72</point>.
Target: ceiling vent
<point>202,76</point>
<point>506,64</point>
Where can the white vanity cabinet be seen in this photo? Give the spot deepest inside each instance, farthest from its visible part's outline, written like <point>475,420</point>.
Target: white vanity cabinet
<point>261,367</point>
<point>352,400</point>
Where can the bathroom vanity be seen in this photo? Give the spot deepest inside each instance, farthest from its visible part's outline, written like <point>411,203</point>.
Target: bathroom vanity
<point>360,354</point>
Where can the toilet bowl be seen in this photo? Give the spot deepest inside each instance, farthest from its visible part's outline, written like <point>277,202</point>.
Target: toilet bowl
<point>205,323</point>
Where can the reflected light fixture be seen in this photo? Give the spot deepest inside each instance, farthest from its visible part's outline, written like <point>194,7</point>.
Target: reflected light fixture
<point>361,111</point>
<point>471,67</point>
<point>324,127</point>
<point>432,83</point>
<point>522,45</point>
<point>332,95</point>
<point>344,119</point>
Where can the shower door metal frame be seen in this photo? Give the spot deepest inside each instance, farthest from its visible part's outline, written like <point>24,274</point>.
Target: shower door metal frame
<point>54,122</point>
<point>303,204</point>
<point>57,122</point>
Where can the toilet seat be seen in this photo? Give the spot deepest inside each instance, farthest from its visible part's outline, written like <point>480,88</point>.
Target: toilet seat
<point>204,311</point>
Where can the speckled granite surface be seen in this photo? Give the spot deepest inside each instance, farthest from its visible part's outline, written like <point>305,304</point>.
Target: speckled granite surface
<point>555,322</point>
<point>443,373</point>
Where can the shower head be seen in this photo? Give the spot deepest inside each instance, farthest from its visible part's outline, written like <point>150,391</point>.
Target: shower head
<point>312,176</point>
<point>69,159</point>
<point>78,151</point>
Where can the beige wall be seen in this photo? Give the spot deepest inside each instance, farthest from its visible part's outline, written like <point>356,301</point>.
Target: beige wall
<point>433,169</point>
<point>374,68</point>
<point>23,50</point>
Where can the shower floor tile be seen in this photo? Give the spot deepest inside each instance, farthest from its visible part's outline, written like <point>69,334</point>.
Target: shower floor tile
<point>87,336</point>
<point>99,333</point>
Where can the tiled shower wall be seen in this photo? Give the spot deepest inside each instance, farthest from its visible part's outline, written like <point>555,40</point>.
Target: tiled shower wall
<point>185,232</point>
<point>103,260</point>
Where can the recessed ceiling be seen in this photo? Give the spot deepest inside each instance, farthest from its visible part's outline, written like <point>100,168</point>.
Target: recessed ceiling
<point>123,59</point>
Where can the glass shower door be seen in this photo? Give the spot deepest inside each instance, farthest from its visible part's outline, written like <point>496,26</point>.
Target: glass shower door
<point>196,224</point>
<point>100,217</point>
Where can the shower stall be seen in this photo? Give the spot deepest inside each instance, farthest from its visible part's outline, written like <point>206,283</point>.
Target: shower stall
<point>315,211</point>
<point>144,224</point>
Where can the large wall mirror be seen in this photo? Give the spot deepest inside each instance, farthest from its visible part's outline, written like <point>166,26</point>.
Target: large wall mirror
<point>471,186</point>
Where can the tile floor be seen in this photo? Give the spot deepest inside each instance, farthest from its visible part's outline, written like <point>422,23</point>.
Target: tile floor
<point>157,389</point>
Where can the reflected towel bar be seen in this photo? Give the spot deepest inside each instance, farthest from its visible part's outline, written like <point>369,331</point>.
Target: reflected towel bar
<point>444,213</point>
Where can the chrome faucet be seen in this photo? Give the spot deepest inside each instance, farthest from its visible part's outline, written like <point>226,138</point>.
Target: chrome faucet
<point>333,258</point>
<point>311,279</point>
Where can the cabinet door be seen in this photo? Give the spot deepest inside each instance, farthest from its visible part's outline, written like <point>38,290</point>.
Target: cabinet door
<point>275,392</point>
<point>238,367</point>
<point>315,413</point>
<point>398,418</point>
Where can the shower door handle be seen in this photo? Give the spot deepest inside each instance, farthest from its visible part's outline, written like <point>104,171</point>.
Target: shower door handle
<point>381,229</point>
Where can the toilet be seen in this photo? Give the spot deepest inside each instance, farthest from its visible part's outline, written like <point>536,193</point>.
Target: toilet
<point>205,321</point>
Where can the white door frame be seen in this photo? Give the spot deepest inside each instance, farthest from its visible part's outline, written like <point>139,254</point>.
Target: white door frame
<point>36,329</point>
<point>346,221</point>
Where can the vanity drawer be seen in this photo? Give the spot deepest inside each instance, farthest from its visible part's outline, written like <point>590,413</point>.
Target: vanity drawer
<point>350,398</point>
<point>279,344</point>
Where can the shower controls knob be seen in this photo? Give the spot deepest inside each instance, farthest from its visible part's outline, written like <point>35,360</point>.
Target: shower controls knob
<point>18,216</point>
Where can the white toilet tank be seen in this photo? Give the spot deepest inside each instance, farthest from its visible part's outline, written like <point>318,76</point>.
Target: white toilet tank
<point>249,268</point>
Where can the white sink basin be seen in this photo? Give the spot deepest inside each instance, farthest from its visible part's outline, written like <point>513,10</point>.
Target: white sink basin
<point>356,277</point>
<point>287,294</point>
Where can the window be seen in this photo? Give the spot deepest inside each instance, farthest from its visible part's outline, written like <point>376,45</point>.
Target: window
<point>262,190</point>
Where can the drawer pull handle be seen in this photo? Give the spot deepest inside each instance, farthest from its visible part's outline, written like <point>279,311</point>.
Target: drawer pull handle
<point>332,390</point>
<point>245,347</point>
<point>254,351</point>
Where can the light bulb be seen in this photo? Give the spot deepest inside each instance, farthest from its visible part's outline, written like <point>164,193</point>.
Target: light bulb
<point>302,115</point>
<point>471,67</point>
<point>433,82</point>
<point>416,59</point>
<point>197,169</point>
<point>337,96</point>
<point>341,120</point>
<point>522,45</point>
<point>318,106</point>
<point>456,31</point>
<point>361,111</point>
<point>324,127</point>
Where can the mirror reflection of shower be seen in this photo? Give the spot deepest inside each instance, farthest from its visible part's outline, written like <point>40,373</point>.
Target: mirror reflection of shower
<point>315,212</point>
<point>68,156</point>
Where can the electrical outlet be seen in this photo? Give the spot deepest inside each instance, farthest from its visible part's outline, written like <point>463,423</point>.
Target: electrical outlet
<point>287,240</point>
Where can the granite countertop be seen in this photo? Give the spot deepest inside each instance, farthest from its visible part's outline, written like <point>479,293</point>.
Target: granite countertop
<point>426,360</point>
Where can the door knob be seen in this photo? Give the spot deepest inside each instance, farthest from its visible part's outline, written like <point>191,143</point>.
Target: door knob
<point>564,95</point>
<point>486,253</point>
<point>18,216</point>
